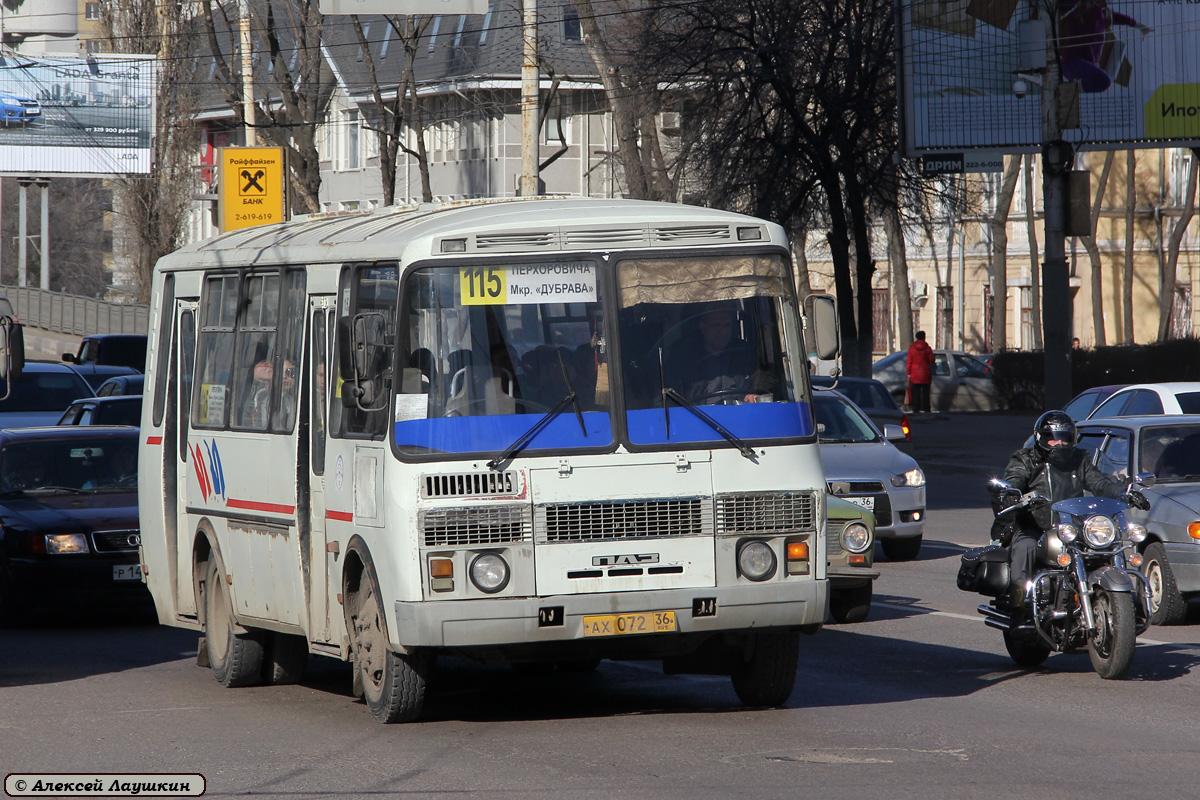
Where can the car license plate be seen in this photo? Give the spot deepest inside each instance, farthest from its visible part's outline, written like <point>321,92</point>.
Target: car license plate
<point>862,502</point>
<point>622,624</point>
<point>127,572</point>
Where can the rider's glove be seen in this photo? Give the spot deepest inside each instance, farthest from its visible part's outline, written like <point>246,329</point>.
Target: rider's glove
<point>1009,499</point>
<point>1135,499</point>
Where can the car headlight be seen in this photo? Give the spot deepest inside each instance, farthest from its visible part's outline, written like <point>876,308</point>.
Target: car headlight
<point>9,101</point>
<point>1135,531</point>
<point>756,560</point>
<point>1099,531</point>
<point>1067,532</point>
<point>914,477</point>
<point>489,572</point>
<point>856,538</point>
<point>61,543</point>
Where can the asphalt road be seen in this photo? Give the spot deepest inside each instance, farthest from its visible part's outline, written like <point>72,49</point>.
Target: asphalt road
<point>920,701</point>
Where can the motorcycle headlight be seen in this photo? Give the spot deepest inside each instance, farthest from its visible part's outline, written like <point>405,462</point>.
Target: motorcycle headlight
<point>1135,531</point>
<point>914,477</point>
<point>1067,532</point>
<point>1099,531</point>
<point>856,538</point>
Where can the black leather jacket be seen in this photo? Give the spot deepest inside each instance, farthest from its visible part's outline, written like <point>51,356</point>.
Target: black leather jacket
<point>1028,471</point>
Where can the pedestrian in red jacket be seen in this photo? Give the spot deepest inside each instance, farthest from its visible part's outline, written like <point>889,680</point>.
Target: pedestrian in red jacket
<point>920,372</point>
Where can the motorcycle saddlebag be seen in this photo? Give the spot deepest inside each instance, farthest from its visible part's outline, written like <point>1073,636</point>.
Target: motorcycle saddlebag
<point>984,570</point>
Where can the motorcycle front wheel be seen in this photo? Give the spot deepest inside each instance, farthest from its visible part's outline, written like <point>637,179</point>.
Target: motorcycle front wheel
<point>1111,643</point>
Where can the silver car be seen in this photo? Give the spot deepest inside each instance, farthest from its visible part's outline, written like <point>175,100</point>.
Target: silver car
<point>1168,446</point>
<point>865,468</point>
<point>961,382</point>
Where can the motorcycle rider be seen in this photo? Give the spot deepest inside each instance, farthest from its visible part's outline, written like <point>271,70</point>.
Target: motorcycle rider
<point>1058,470</point>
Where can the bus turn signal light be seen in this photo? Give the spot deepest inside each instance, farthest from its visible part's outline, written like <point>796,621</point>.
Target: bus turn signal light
<point>797,558</point>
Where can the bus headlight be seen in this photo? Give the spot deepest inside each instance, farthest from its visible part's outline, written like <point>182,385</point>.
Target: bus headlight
<point>856,538</point>
<point>489,572</point>
<point>756,560</point>
<point>1099,531</point>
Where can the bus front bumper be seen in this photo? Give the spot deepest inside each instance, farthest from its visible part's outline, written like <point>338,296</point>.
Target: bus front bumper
<point>560,618</point>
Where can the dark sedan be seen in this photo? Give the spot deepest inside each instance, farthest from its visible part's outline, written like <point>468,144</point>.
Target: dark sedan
<point>69,523</point>
<point>112,410</point>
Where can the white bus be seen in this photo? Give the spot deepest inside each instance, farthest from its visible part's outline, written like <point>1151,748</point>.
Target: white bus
<point>539,430</point>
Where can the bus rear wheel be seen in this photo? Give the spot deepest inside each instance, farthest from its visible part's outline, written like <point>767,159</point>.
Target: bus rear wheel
<point>393,685</point>
<point>236,658</point>
<point>769,674</point>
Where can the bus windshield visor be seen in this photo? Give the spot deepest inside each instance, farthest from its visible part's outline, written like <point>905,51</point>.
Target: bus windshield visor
<point>488,351</point>
<point>715,335</point>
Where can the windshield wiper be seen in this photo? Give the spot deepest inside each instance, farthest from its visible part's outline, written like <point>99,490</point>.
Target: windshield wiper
<point>669,393</point>
<point>547,418</point>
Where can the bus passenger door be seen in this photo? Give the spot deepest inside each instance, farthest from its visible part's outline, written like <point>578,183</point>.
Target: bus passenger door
<point>175,448</point>
<point>323,563</point>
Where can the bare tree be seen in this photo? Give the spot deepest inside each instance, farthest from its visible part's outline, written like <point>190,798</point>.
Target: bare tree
<point>292,95</point>
<point>999,229</point>
<point>1093,251</point>
<point>1035,272</point>
<point>1166,297</point>
<point>1127,271</point>
<point>152,210</point>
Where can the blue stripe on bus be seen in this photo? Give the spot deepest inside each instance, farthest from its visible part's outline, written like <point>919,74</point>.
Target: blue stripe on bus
<point>749,421</point>
<point>486,434</point>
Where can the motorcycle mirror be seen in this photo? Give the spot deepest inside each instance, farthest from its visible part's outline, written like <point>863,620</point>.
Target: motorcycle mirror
<point>1145,478</point>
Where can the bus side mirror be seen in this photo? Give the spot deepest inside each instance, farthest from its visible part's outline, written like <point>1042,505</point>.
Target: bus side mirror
<point>820,311</point>
<point>12,350</point>
<point>362,358</point>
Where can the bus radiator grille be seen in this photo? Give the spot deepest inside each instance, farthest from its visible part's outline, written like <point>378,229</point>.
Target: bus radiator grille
<point>766,512</point>
<point>631,519</point>
<point>470,484</point>
<point>470,527</point>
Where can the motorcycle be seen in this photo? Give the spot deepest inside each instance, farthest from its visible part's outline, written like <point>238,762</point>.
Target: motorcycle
<point>1084,594</point>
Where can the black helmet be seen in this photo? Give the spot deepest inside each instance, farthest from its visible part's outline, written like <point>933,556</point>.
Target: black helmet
<point>1054,426</point>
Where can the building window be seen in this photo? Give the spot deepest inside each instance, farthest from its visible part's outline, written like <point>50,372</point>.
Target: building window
<point>572,30</point>
<point>352,140</point>
<point>93,12</point>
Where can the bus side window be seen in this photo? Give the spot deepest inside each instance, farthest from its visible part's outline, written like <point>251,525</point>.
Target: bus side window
<point>291,344</point>
<point>370,323</point>
<point>214,352</point>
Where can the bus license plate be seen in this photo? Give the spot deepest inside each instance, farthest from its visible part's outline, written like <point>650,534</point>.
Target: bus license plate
<point>622,624</point>
<point>862,502</point>
<point>127,572</point>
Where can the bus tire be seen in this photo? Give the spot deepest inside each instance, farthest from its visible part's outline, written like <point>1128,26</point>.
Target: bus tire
<point>767,677</point>
<point>286,659</point>
<point>236,658</point>
<point>393,685</point>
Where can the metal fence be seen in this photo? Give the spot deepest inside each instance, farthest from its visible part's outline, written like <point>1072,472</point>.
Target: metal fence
<point>77,316</point>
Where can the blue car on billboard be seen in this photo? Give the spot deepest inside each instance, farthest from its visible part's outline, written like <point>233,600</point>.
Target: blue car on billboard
<point>18,109</point>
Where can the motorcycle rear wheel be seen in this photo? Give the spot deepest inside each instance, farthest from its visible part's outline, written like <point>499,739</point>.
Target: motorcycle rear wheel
<point>1111,644</point>
<point>1026,650</point>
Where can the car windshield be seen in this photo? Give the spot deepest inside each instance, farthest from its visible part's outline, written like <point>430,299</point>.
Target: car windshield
<point>1172,453</point>
<point>44,391</point>
<point>839,422</point>
<point>68,466</point>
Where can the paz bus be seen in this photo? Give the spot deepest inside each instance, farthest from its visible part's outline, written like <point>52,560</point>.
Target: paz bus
<point>497,430</point>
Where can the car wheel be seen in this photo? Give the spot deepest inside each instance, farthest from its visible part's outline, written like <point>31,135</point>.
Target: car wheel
<point>905,549</point>
<point>851,605</point>
<point>236,658</point>
<point>1167,604</point>
<point>769,674</point>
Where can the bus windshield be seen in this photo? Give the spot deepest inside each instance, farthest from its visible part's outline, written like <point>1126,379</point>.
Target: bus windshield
<point>491,350</point>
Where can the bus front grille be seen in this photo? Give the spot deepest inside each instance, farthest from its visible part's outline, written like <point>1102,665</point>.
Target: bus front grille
<point>631,519</point>
<point>471,527</point>
<point>766,512</point>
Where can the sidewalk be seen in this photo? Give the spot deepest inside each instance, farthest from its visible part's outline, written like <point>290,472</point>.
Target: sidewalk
<point>979,443</point>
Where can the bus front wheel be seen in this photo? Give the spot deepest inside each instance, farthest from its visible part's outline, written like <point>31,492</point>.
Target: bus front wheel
<point>767,676</point>
<point>236,658</point>
<point>393,685</point>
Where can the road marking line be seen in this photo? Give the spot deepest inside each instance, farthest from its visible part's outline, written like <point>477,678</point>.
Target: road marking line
<point>936,613</point>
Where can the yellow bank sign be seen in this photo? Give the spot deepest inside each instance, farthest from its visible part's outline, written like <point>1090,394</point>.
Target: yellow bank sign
<point>253,187</point>
<point>1173,112</point>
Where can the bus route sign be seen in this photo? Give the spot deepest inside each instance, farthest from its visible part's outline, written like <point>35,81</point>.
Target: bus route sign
<point>525,284</point>
<point>252,187</point>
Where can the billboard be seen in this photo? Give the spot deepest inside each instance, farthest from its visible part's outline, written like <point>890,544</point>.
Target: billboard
<point>252,188</point>
<point>79,116</point>
<point>971,76</point>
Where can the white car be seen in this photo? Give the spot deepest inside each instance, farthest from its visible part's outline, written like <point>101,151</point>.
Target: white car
<point>1151,399</point>
<point>863,467</point>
